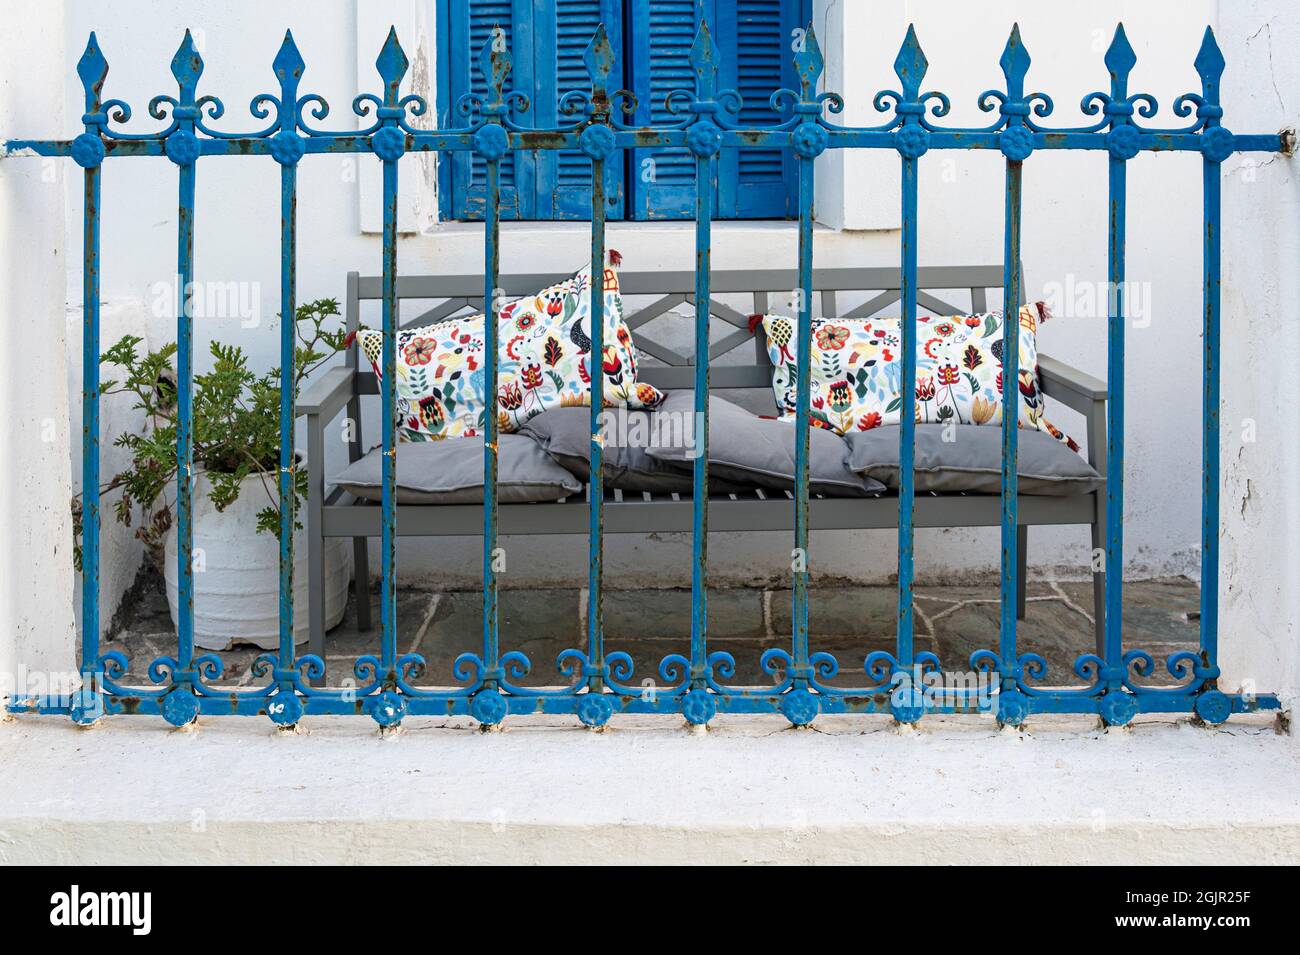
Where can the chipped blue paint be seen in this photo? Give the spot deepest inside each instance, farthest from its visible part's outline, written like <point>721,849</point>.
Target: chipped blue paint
<point>1209,66</point>
<point>1017,146</point>
<point>912,141</point>
<point>492,143</point>
<point>287,150</point>
<point>706,120</point>
<point>704,139</point>
<point>182,147</point>
<point>597,142</point>
<point>808,145</point>
<point>388,143</point>
<point>88,152</point>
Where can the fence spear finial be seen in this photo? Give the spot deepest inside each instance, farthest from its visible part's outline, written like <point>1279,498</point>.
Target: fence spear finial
<point>599,59</point>
<point>1120,60</point>
<point>93,70</point>
<point>495,63</point>
<point>1209,66</point>
<point>187,67</point>
<point>704,61</point>
<point>392,65</point>
<point>288,66</point>
<point>809,64</point>
<point>1015,65</point>
<point>910,65</point>
<point>288,63</point>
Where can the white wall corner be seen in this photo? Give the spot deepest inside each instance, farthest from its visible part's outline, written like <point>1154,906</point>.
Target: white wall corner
<point>1260,592</point>
<point>36,619</point>
<point>858,189</point>
<point>417,203</point>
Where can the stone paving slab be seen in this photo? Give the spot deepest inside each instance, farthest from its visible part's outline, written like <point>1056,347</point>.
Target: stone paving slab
<point>848,622</point>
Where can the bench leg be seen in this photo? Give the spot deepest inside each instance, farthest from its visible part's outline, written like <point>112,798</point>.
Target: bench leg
<point>1022,561</point>
<point>1099,587</point>
<point>315,541</point>
<point>361,581</point>
<point>316,595</point>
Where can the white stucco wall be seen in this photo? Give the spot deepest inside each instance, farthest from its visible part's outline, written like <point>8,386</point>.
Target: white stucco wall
<point>961,223</point>
<point>1260,616</point>
<point>36,621</point>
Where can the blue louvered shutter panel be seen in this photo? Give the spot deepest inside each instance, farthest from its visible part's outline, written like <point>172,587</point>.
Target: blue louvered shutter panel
<point>660,32</point>
<point>562,30</point>
<point>755,38</point>
<point>472,22</point>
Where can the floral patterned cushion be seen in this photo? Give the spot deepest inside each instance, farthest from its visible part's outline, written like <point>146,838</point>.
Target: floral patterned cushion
<point>544,362</point>
<point>857,366</point>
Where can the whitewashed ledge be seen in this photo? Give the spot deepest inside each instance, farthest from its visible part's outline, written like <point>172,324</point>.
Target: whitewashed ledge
<point>852,790</point>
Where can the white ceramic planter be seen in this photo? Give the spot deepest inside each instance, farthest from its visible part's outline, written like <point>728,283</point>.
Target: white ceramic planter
<point>237,573</point>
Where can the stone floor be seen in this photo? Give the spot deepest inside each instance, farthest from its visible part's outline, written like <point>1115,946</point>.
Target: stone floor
<point>1160,616</point>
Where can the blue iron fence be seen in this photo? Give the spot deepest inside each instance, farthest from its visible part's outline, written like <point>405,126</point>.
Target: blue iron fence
<point>707,120</point>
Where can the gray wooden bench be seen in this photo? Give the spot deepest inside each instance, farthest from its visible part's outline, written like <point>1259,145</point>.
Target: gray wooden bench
<point>332,512</point>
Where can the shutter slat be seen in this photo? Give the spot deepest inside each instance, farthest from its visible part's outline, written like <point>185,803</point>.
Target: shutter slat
<point>757,51</point>
<point>754,42</point>
<point>663,180</point>
<point>761,39</point>
<point>484,17</point>
<point>472,23</point>
<point>563,31</point>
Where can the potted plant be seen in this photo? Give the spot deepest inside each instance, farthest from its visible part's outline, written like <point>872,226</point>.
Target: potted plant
<point>235,492</point>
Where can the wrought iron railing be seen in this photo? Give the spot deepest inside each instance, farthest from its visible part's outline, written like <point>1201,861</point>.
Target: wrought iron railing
<point>602,682</point>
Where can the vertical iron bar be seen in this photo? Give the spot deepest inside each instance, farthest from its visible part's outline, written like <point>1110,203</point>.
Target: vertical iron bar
<point>88,152</point>
<point>1010,422</point>
<point>799,638</point>
<point>90,430</point>
<point>596,530</point>
<point>1115,424</point>
<point>705,184</point>
<point>1210,416</point>
<point>288,329</point>
<point>704,141</point>
<point>184,419</point>
<point>907,420</point>
<point>491,270</point>
<point>288,66</point>
<point>388,518</point>
<point>1209,65</point>
<point>1122,144</point>
<point>184,149</point>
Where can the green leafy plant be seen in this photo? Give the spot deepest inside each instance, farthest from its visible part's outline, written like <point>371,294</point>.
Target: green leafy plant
<point>235,426</point>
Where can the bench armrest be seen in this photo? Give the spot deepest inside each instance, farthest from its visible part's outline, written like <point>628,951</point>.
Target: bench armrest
<point>1086,395</point>
<point>1069,385</point>
<point>327,395</point>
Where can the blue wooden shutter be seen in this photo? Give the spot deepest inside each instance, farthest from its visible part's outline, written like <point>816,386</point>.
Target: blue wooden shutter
<point>472,22</point>
<point>661,182</point>
<point>562,29</point>
<point>755,38</point>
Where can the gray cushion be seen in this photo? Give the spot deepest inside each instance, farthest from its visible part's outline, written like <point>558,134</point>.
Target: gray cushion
<point>451,472</point>
<point>755,451</point>
<point>565,434</point>
<point>972,460</point>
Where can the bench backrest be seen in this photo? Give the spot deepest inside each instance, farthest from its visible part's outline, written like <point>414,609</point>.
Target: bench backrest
<point>767,290</point>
